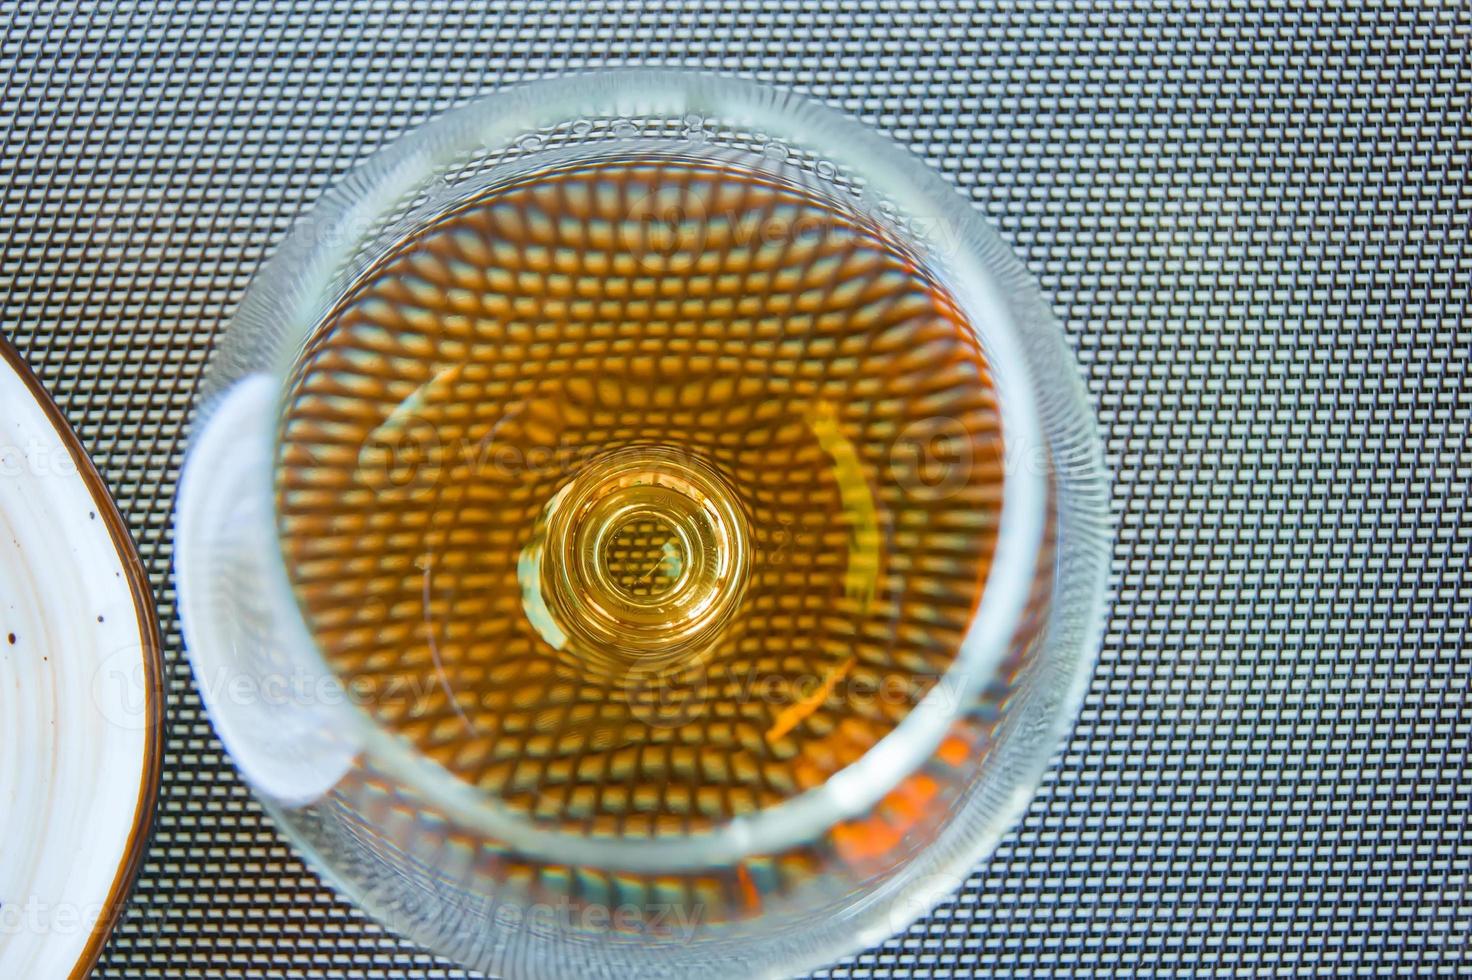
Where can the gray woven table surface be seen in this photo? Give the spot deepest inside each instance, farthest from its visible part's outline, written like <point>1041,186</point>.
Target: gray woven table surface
<point>1254,220</point>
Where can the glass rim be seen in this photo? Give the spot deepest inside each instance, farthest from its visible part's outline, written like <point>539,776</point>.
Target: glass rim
<point>492,121</point>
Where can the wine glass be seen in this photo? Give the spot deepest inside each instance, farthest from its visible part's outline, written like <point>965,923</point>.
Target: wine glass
<point>643,522</point>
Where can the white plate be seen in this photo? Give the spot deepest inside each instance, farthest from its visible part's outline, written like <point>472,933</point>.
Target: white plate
<point>81,701</point>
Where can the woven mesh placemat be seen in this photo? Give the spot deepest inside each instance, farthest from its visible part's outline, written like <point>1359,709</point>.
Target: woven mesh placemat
<point>1253,219</point>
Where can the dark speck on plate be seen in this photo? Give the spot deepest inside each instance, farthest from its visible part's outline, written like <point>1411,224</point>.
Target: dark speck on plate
<point>92,514</point>
<point>99,619</point>
<point>11,638</point>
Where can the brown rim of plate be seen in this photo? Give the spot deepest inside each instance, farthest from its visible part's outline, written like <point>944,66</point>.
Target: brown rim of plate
<point>148,629</point>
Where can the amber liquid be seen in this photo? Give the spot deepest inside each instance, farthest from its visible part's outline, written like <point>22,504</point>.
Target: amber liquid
<point>642,494</point>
